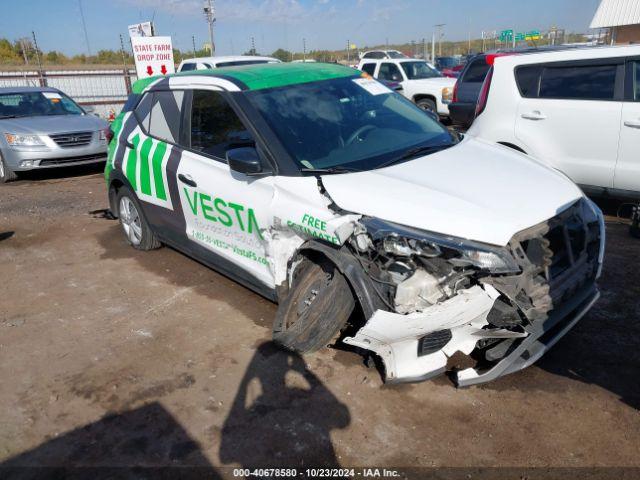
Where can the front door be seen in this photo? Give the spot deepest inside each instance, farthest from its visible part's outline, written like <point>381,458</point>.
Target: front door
<point>225,212</point>
<point>628,167</point>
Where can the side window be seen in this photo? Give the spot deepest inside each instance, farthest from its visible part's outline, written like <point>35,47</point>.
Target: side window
<point>369,68</point>
<point>188,67</point>
<point>165,115</point>
<point>592,82</point>
<point>374,55</point>
<point>476,72</point>
<point>528,80</point>
<point>215,127</point>
<point>390,71</point>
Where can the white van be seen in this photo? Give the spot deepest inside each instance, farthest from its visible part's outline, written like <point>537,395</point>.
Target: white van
<point>204,63</point>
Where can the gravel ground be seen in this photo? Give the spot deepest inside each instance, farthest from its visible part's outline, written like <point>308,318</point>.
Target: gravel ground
<point>114,357</point>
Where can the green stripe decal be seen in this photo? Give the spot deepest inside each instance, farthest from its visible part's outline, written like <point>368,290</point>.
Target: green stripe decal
<point>145,179</point>
<point>131,163</point>
<point>158,155</point>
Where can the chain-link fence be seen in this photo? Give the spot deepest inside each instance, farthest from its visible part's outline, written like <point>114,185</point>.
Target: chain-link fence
<point>104,90</point>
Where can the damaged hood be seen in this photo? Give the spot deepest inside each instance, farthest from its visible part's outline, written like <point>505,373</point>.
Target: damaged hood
<point>475,190</point>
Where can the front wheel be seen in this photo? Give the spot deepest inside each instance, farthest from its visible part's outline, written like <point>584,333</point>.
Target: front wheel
<point>6,174</point>
<point>427,104</point>
<point>135,226</point>
<point>316,308</point>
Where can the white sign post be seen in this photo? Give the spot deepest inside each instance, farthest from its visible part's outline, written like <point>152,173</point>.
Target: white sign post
<point>153,56</point>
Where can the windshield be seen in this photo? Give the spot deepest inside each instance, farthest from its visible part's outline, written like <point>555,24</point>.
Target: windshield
<point>355,123</point>
<point>447,62</point>
<point>418,70</point>
<point>35,104</point>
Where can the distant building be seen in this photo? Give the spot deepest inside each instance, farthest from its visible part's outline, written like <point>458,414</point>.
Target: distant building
<point>621,17</point>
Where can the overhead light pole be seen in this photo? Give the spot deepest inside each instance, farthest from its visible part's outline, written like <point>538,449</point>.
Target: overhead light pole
<point>439,27</point>
<point>209,15</point>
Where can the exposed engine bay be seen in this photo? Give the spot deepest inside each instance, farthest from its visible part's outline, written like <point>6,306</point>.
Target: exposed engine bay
<point>445,295</point>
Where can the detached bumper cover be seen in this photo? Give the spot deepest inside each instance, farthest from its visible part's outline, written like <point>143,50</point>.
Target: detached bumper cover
<point>395,337</point>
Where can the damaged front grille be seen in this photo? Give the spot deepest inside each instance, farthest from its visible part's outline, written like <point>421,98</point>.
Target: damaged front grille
<point>557,257</point>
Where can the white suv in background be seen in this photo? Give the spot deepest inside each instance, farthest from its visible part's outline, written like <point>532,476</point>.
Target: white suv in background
<point>204,63</point>
<point>577,110</point>
<point>421,83</point>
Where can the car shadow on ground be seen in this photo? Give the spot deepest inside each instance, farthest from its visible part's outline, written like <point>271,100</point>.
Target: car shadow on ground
<point>282,415</point>
<point>129,445</point>
<point>604,347</point>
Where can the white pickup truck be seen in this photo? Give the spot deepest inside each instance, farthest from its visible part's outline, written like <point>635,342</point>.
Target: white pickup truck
<point>421,83</point>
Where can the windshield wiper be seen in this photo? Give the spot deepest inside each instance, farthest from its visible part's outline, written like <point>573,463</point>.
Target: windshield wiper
<point>328,170</point>
<point>414,152</point>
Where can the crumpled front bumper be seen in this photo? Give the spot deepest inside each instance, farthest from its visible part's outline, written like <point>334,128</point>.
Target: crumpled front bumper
<point>395,337</point>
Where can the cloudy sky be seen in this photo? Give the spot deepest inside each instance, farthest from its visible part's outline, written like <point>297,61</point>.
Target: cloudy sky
<point>325,24</point>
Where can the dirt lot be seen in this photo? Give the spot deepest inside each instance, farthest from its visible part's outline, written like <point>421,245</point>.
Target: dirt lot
<point>110,356</point>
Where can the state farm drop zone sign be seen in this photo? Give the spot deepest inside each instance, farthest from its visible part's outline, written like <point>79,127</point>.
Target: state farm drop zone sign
<point>153,56</point>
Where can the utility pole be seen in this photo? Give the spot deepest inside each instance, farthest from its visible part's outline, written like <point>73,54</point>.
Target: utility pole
<point>253,46</point>
<point>304,49</point>
<point>193,44</point>
<point>348,51</point>
<point>440,34</point>
<point>209,15</point>
<point>424,49</point>
<point>433,48</point>
<point>43,83</point>
<point>125,70</point>
<point>84,26</point>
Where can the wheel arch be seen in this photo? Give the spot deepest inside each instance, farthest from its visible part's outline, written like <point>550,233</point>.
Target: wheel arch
<point>361,285</point>
<point>116,181</point>
<point>513,146</point>
<point>420,96</point>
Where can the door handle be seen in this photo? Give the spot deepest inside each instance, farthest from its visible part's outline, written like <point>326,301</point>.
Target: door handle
<point>535,115</point>
<point>187,179</point>
<point>632,123</point>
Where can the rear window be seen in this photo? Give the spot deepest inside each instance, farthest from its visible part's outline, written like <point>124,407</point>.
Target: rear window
<point>592,82</point>
<point>476,71</point>
<point>373,55</point>
<point>187,67</point>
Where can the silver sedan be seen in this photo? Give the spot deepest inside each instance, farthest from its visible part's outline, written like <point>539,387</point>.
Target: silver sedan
<point>44,128</point>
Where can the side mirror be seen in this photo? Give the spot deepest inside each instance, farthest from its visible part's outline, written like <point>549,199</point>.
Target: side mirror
<point>244,160</point>
<point>89,109</point>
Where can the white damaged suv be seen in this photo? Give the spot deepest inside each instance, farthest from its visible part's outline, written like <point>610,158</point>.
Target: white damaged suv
<point>362,217</point>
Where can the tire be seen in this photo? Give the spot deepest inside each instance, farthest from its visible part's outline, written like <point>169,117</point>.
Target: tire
<point>6,174</point>
<point>136,228</point>
<point>317,307</point>
<point>427,104</point>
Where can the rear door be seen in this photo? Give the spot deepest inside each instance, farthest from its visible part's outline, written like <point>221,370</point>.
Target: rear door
<point>225,212</point>
<point>627,176</point>
<point>572,118</point>
<point>152,156</point>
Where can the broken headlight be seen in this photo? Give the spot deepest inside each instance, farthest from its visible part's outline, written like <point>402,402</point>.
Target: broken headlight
<point>402,241</point>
